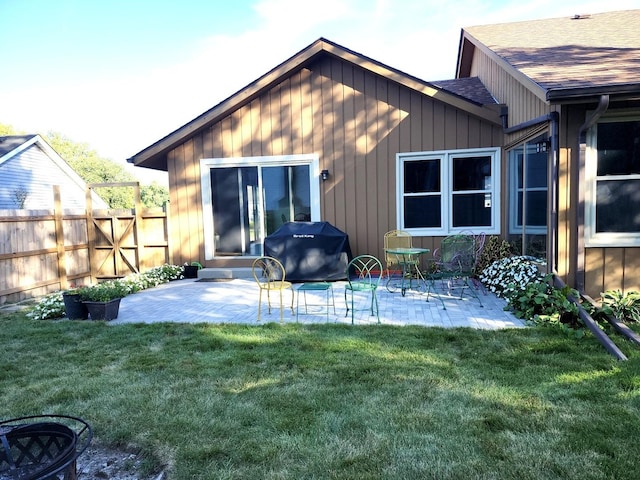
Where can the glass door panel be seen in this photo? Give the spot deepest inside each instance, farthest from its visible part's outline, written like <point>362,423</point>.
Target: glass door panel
<point>249,203</point>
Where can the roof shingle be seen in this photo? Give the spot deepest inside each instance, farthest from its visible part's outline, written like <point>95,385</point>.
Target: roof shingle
<point>572,52</point>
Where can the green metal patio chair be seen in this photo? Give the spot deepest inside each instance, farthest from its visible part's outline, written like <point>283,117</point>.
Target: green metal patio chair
<point>363,275</point>
<point>457,257</point>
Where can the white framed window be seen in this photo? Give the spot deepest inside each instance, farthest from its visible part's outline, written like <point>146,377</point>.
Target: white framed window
<point>446,192</point>
<point>528,188</point>
<point>612,174</point>
<point>246,199</point>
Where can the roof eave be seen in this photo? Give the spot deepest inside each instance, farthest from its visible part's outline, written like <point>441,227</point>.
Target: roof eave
<point>627,91</point>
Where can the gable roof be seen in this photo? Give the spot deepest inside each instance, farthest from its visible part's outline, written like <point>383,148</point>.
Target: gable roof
<point>154,156</point>
<point>12,145</point>
<point>563,58</point>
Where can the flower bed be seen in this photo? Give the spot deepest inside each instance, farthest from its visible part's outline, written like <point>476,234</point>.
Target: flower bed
<point>52,306</point>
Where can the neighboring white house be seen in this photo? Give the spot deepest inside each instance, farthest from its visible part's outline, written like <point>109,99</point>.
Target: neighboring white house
<point>29,168</point>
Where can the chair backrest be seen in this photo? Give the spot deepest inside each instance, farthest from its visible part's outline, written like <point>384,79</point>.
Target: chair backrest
<point>364,269</point>
<point>458,254</point>
<point>395,239</point>
<point>268,272</point>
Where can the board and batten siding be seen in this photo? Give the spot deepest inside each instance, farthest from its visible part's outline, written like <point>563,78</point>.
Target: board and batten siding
<point>33,172</point>
<point>355,121</point>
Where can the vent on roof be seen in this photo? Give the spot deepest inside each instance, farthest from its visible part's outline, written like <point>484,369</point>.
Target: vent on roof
<point>581,16</point>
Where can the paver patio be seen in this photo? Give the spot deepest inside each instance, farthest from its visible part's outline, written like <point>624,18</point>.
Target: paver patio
<point>236,301</point>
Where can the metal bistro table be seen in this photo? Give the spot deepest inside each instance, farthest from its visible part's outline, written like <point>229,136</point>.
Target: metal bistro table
<point>409,260</point>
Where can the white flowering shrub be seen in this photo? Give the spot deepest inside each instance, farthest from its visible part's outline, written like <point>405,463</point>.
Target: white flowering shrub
<point>52,305</point>
<point>510,274</point>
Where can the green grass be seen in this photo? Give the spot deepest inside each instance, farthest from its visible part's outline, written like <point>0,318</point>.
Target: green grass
<point>332,401</point>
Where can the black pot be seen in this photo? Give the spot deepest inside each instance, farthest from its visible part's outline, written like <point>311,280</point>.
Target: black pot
<point>103,310</point>
<point>191,271</point>
<point>74,308</point>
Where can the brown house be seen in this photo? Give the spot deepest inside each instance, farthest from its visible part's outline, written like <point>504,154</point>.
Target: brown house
<point>501,149</point>
<point>570,88</point>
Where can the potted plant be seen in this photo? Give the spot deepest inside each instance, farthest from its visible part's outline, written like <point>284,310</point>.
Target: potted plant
<point>103,300</point>
<point>191,271</point>
<point>73,306</point>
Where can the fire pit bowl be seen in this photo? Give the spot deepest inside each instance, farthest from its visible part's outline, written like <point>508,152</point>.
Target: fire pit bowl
<point>43,447</point>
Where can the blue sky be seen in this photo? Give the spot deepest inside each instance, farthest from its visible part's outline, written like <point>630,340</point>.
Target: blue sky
<point>121,74</point>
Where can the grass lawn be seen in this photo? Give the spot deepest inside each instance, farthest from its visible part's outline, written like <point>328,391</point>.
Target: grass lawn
<point>332,401</point>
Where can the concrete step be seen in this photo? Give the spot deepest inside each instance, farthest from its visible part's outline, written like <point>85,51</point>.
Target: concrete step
<point>236,272</point>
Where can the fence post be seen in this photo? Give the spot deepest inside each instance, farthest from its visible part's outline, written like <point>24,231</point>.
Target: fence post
<point>59,226</point>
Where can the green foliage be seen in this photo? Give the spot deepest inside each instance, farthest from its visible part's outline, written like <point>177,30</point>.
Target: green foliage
<point>623,306</point>
<point>542,303</point>
<point>6,129</point>
<point>95,169</point>
<point>154,195</point>
<point>495,248</point>
<point>103,292</point>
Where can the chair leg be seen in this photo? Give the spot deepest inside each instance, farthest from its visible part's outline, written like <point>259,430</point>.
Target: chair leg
<point>259,303</point>
<point>281,308</point>
<point>292,295</point>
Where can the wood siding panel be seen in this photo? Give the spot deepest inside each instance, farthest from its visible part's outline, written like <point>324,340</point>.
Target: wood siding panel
<point>355,121</point>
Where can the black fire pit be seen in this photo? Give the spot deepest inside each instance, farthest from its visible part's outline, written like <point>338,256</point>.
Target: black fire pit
<point>43,447</point>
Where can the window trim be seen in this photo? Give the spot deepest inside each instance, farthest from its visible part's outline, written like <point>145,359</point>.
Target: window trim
<point>591,237</point>
<point>446,194</point>
<point>206,164</point>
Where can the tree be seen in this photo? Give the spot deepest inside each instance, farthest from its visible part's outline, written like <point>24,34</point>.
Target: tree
<point>93,168</point>
<point>154,195</point>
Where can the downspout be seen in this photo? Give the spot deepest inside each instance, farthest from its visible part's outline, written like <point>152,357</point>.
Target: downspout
<point>552,218</point>
<point>602,107</point>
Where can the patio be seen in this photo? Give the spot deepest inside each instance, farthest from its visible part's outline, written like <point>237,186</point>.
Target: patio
<point>236,301</point>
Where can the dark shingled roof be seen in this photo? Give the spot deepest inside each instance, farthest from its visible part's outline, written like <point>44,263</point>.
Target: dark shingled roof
<point>470,88</point>
<point>9,143</point>
<point>583,51</point>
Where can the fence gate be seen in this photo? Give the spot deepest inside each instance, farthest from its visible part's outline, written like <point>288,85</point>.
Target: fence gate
<point>117,245</point>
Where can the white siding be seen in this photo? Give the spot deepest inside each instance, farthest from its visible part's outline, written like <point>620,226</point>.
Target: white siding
<point>34,172</point>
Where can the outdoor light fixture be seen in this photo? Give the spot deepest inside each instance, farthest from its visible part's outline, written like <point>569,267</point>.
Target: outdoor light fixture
<point>543,146</point>
<point>324,174</point>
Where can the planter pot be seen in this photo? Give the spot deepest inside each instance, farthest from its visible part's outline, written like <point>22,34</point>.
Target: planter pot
<point>103,310</point>
<point>191,271</point>
<point>74,307</point>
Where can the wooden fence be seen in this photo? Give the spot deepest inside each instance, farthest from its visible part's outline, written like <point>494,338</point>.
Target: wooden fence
<point>43,251</point>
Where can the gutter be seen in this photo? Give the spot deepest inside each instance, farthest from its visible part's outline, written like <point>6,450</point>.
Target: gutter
<point>552,215</point>
<point>602,107</point>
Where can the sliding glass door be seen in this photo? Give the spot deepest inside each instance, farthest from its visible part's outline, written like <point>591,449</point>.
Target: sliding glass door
<point>250,202</point>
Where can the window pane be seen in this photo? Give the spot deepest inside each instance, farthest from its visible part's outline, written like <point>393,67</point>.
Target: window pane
<point>618,206</point>
<point>234,202</point>
<point>472,210</point>
<point>422,212</point>
<point>618,148</point>
<point>536,209</point>
<point>471,173</point>
<point>422,176</point>
<point>536,170</point>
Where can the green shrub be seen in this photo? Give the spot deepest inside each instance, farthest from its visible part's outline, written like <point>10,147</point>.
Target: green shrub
<point>623,306</point>
<point>103,292</point>
<point>542,303</point>
<point>495,248</point>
